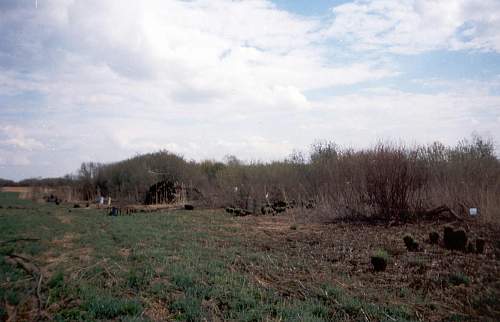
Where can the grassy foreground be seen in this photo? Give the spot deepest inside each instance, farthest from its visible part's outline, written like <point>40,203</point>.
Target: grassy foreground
<point>183,265</point>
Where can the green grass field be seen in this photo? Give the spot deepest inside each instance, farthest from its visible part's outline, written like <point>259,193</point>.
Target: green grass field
<point>11,199</point>
<point>178,265</point>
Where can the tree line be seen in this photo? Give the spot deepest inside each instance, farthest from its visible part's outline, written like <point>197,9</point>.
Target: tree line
<point>387,180</point>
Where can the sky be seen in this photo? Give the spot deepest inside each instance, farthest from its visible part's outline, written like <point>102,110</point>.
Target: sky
<point>104,80</point>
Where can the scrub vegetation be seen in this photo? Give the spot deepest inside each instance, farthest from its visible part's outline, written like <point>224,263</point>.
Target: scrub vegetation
<point>388,182</point>
<point>388,233</point>
<point>208,265</point>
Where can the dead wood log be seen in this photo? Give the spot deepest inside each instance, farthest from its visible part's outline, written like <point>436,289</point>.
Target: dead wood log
<point>432,213</point>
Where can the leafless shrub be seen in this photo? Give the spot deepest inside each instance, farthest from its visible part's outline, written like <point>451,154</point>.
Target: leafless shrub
<point>388,181</point>
<point>394,182</point>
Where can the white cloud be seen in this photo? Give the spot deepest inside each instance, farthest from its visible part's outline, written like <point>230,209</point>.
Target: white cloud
<point>414,26</point>
<point>208,78</point>
<point>383,113</point>
<point>15,137</point>
<point>158,55</point>
<point>8,159</point>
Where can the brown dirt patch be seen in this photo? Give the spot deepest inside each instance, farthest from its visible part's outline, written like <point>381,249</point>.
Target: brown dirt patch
<point>65,219</point>
<point>125,252</point>
<point>66,241</point>
<point>339,254</point>
<point>157,311</point>
<point>51,261</point>
<point>84,254</point>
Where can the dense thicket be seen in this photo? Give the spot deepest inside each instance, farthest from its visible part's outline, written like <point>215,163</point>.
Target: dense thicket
<point>49,182</point>
<point>391,181</point>
<point>6,183</point>
<point>387,180</point>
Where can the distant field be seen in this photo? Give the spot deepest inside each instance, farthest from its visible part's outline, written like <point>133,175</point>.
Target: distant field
<point>209,266</point>
<point>15,194</point>
<point>15,189</point>
<point>11,197</point>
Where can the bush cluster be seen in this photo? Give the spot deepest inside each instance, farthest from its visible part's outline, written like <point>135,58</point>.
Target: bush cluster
<point>387,181</point>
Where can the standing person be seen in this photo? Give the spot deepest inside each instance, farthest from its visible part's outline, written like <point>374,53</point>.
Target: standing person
<point>101,201</point>
<point>109,201</point>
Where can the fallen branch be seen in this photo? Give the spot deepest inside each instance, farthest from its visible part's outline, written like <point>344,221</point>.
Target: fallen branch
<point>364,314</point>
<point>32,269</point>
<point>24,262</point>
<point>390,317</point>
<point>439,210</point>
<point>18,239</point>
<point>16,282</point>
<point>39,295</point>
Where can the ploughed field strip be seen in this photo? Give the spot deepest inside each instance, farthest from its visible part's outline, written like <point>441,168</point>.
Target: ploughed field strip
<point>66,264</point>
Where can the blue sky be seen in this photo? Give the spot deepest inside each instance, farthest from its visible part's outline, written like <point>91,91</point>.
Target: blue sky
<point>101,81</point>
<point>316,8</point>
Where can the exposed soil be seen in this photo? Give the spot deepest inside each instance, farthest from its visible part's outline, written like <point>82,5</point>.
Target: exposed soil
<point>157,311</point>
<point>66,241</point>
<point>295,259</point>
<point>340,254</point>
<point>64,219</point>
